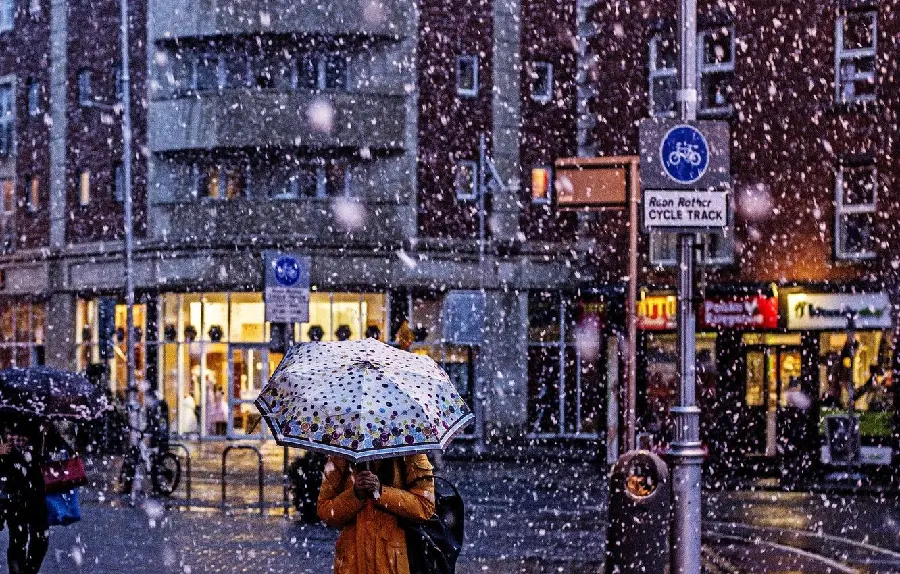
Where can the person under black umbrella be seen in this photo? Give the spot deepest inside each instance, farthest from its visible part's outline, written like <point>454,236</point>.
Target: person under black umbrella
<point>21,451</point>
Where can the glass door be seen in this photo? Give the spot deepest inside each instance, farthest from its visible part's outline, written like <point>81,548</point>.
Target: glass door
<point>770,372</point>
<point>248,372</point>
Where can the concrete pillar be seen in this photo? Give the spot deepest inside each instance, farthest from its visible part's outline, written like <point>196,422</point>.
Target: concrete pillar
<point>60,333</point>
<point>503,365</point>
<point>507,115</point>
<point>59,40</point>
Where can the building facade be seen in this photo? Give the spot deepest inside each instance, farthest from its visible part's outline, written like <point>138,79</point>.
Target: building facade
<point>408,149</point>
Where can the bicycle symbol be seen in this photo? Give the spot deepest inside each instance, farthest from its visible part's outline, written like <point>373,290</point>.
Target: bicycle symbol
<point>687,152</point>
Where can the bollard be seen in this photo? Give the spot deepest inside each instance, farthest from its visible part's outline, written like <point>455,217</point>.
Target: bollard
<point>640,509</point>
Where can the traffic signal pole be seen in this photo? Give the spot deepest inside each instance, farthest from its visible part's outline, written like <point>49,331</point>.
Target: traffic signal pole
<point>686,452</point>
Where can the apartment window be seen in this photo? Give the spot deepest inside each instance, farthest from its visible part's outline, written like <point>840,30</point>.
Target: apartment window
<point>541,81</point>
<point>322,72</point>
<point>663,75</point>
<point>236,69</point>
<point>716,69</point>
<point>223,182</point>
<point>85,89</point>
<point>465,175</point>
<point>84,187</point>
<point>118,178</point>
<point>541,178</point>
<point>34,98</point>
<point>855,40</point>
<point>7,120</point>
<point>856,194</point>
<point>8,198</point>
<point>718,248</point>
<point>34,193</point>
<point>119,76</point>
<point>7,14</point>
<point>467,75</point>
<point>206,75</point>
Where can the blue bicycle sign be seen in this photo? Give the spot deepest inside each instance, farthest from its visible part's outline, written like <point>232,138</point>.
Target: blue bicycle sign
<point>684,154</point>
<point>287,271</point>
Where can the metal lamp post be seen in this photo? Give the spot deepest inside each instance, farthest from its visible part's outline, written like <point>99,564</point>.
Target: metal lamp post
<point>686,451</point>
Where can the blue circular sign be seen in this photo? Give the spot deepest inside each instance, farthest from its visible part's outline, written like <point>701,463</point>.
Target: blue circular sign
<point>684,154</point>
<point>287,271</point>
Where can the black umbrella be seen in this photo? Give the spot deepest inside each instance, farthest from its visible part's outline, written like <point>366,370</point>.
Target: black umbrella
<point>50,393</point>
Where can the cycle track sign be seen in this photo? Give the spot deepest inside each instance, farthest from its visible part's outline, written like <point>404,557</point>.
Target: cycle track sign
<point>684,154</point>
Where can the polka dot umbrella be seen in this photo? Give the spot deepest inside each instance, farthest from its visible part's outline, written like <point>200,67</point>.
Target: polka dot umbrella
<point>362,400</point>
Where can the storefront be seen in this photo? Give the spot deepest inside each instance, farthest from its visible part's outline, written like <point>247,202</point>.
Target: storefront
<point>861,363</point>
<point>208,354</point>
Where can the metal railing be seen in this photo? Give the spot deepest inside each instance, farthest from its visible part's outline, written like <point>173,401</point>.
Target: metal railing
<point>187,468</point>
<point>259,457</point>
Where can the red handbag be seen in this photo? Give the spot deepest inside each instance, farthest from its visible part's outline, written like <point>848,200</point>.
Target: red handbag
<point>63,475</point>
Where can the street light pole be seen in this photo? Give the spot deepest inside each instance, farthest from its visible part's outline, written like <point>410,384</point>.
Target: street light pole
<point>131,389</point>
<point>686,451</point>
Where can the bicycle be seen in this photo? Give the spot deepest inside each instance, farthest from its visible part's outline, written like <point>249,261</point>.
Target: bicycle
<point>163,465</point>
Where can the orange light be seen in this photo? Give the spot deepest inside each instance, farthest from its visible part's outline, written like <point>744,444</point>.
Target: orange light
<point>540,183</point>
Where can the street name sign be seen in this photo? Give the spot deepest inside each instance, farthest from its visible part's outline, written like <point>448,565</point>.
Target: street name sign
<point>287,287</point>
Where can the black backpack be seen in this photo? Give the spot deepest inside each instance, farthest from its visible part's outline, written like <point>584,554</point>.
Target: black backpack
<point>434,545</point>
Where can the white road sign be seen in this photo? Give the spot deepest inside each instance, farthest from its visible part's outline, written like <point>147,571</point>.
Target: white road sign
<point>689,210</point>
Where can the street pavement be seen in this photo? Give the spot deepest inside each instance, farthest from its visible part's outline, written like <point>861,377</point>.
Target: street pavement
<point>537,516</point>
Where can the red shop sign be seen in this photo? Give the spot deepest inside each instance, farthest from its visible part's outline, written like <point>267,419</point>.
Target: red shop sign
<point>755,312</point>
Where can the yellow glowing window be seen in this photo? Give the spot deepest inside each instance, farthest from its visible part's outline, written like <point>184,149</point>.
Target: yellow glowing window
<point>84,188</point>
<point>540,185</point>
<point>34,194</point>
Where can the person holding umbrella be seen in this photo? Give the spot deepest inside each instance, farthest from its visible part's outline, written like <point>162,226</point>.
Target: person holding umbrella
<point>21,449</point>
<point>376,410</point>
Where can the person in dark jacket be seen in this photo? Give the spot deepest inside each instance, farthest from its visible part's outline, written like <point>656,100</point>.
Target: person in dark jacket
<point>21,452</point>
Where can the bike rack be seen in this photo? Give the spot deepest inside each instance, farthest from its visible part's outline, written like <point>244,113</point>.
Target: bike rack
<point>259,457</point>
<point>187,466</point>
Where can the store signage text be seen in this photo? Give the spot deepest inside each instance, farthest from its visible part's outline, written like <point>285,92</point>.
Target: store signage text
<point>657,313</point>
<point>830,311</point>
<point>756,312</point>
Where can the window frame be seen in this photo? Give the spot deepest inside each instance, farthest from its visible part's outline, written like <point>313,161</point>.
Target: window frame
<point>654,73</point>
<point>841,210</point>
<point>7,119</point>
<point>467,92</point>
<point>473,165</point>
<point>84,85</point>
<point>704,68</point>
<point>533,74</point>
<point>842,55</point>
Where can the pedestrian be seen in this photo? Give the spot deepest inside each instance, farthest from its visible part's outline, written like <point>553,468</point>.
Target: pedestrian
<point>21,454</point>
<point>368,502</point>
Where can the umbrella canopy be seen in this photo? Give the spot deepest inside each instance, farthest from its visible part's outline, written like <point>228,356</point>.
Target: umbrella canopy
<point>50,393</point>
<point>362,400</point>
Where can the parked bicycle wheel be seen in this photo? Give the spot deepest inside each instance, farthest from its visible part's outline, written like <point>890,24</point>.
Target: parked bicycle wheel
<point>166,473</point>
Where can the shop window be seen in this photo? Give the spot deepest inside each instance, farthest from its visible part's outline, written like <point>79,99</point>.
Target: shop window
<point>541,76</point>
<point>855,56</point>
<point>716,69</point>
<point>663,77</point>
<point>467,75</point>
<point>100,337</point>
<point>856,195</point>
<point>465,179</point>
<point>84,187</point>
<point>22,325</point>
<point>541,184</point>
<point>7,120</point>
<point>564,375</point>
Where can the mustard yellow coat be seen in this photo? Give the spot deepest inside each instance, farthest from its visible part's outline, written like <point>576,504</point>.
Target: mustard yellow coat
<point>371,541</point>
